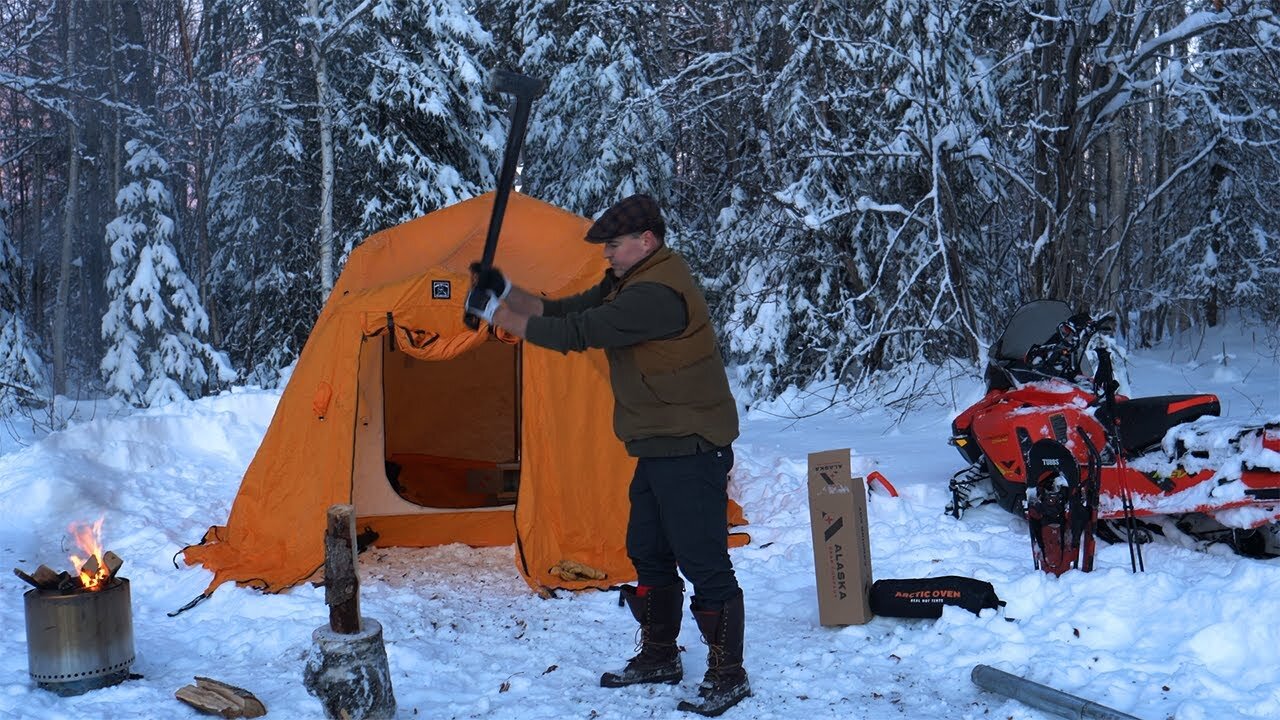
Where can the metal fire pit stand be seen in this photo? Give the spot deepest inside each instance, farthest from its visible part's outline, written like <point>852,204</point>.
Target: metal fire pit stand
<point>79,641</point>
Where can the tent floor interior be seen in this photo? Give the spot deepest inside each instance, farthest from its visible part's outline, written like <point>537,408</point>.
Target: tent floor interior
<point>443,482</point>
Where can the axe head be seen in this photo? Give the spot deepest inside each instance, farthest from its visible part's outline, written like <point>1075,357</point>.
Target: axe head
<point>522,86</point>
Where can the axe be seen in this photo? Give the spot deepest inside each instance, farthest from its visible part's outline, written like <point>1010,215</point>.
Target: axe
<point>525,89</point>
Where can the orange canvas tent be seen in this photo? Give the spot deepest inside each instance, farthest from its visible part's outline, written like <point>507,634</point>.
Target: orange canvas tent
<point>436,433</point>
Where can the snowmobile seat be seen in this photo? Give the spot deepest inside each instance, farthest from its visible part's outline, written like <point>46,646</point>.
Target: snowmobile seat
<point>1144,421</point>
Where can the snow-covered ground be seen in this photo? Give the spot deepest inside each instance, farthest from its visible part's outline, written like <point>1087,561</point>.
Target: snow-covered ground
<point>1194,637</point>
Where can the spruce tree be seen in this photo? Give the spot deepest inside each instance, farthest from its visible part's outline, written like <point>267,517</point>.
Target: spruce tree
<point>263,196</point>
<point>421,128</point>
<point>600,131</point>
<point>155,325</point>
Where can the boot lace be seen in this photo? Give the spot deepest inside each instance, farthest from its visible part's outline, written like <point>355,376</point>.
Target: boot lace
<point>648,650</point>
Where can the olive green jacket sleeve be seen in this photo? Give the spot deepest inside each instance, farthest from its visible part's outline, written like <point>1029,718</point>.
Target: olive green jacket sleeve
<point>639,312</point>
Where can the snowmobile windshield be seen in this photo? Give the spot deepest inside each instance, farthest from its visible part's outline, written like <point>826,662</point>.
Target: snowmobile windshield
<point>1033,324</point>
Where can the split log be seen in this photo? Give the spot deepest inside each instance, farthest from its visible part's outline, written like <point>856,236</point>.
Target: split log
<point>341,584</point>
<point>218,698</point>
<point>91,566</point>
<point>47,577</point>
<point>26,578</point>
<point>113,563</point>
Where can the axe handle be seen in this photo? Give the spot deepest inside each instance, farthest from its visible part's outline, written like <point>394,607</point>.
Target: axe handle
<point>515,141</point>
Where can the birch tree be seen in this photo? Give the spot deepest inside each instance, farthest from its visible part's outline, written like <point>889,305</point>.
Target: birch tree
<point>61,302</point>
<point>325,28</point>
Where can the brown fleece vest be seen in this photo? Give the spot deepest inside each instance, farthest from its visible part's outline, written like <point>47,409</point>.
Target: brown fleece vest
<point>674,387</point>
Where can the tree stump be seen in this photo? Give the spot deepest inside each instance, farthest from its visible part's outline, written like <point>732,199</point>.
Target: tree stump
<point>347,668</point>
<point>349,673</point>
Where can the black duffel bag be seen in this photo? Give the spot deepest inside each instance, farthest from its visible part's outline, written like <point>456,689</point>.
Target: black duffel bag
<point>924,597</point>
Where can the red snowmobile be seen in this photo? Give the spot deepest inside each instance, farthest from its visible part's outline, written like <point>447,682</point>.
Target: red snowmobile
<point>1077,459</point>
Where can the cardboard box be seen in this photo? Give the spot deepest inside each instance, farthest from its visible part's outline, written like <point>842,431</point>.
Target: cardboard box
<point>841,547</point>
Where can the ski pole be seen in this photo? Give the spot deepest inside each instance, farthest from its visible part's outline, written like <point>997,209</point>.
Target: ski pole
<point>1107,374</point>
<point>1042,697</point>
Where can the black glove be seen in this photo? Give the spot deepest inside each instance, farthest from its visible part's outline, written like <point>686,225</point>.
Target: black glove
<point>490,279</point>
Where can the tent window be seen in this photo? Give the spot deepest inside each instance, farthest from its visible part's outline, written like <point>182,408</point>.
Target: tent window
<point>451,427</point>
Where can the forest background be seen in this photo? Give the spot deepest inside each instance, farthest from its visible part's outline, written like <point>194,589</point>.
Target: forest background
<point>866,188</point>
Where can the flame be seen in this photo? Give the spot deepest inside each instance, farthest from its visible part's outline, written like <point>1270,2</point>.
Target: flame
<point>89,538</point>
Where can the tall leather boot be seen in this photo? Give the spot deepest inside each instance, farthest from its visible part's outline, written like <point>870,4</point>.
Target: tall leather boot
<point>658,613</point>
<point>725,683</point>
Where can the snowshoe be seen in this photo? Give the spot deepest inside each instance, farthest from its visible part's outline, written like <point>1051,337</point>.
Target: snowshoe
<point>1060,513</point>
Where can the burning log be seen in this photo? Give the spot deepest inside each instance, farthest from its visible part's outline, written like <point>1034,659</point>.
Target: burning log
<point>100,575</point>
<point>91,567</point>
<point>68,582</point>
<point>218,698</point>
<point>113,563</point>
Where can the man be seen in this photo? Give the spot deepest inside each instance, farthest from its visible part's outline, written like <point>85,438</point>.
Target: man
<point>674,412</point>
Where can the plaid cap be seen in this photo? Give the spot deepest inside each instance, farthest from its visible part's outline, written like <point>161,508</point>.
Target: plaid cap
<point>629,215</point>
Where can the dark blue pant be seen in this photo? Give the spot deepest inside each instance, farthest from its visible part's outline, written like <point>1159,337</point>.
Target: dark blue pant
<point>679,517</point>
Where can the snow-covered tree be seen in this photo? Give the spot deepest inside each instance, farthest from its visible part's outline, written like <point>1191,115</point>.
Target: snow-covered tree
<point>859,185</point>
<point>420,126</point>
<point>600,132</point>
<point>1226,243</point>
<point>848,241</point>
<point>263,196</point>
<point>22,370</point>
<point>925,171</point>
<point>154,325</point>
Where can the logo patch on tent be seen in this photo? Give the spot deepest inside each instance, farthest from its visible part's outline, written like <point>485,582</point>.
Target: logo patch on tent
<point>441,290</point>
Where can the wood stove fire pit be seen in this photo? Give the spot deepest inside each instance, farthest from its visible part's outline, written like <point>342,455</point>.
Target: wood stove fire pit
<point>79,627</point>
